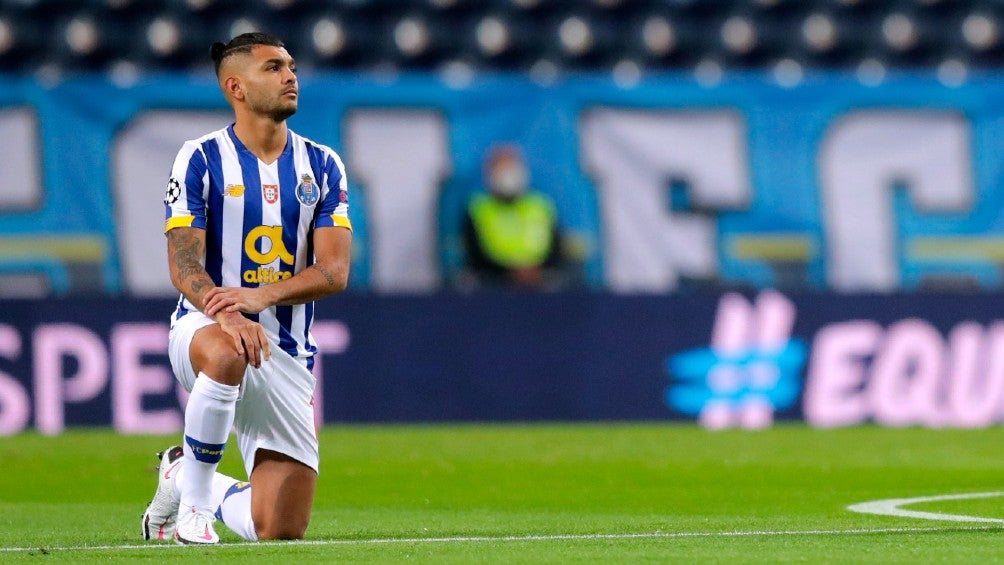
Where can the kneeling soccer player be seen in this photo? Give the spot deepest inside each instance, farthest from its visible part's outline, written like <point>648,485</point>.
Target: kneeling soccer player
<point>257,229</point>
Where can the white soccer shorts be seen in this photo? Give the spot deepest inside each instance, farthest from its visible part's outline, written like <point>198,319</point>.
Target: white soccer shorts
<point>275,410</point>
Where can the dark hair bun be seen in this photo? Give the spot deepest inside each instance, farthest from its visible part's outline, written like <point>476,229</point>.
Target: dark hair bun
<point>216,51</point>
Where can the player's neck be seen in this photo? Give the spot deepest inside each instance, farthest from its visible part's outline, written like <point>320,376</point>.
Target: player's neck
<point>262,136</point>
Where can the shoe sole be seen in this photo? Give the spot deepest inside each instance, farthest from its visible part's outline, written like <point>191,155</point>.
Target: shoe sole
<point>181,541</point>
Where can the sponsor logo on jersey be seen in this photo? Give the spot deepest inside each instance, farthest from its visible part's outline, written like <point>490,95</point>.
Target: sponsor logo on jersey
<point>235,190</point>
<point>270,192</point>
<point>307,192</point>
<point>264,245</point>
<point>265,275</point>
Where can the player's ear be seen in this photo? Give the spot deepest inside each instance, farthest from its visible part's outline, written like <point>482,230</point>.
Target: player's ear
<point>234,88</point>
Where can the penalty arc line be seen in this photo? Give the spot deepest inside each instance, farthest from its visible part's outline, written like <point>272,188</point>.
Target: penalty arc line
<point>526,538</point>
<point>892,507</point>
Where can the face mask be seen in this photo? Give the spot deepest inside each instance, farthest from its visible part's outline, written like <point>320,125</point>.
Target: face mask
<point>508,182</point>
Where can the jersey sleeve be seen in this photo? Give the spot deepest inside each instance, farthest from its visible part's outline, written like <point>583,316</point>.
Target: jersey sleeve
<point>334,209</point>
<point>185,199</point>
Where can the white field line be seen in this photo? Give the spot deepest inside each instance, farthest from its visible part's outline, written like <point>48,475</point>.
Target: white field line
<point>526,538</point>
<point>891,507</point>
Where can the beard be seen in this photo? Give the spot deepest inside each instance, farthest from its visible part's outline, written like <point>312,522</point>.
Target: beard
<point>276,110</point>
<point>281,112</point>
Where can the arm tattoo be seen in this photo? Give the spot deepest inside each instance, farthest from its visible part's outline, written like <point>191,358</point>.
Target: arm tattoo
<point>198,285</point>
<point>188,254</point>
<point>327,276</point>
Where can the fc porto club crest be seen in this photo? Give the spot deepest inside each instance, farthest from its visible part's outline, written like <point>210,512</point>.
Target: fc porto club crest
<point>307,192</point>
<point>270,192</point>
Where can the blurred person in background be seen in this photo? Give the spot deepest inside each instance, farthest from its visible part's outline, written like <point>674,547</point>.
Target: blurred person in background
<point>511,233</point>
<point>257,229</point>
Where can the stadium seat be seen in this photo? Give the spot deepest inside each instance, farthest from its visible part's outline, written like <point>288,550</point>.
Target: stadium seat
<point>83,41</point>
<point>498,40</point>
<point>979,35</point>
<point>329,39</point>
<point>168,42</point>
<point>21,42</point>
<point>828,41</point>
<point>511,34</point>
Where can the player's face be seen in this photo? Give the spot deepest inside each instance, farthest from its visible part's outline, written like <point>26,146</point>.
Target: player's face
<point>272,88</point>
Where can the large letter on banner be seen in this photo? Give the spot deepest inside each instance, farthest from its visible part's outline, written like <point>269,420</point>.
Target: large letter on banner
<point>142,156</point>
<point>865,155</point>
<point>21,166</point>
<point>400,157</point>
<point>633,156</point>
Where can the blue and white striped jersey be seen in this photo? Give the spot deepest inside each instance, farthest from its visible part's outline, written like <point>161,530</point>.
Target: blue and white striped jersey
<point>259,219</point>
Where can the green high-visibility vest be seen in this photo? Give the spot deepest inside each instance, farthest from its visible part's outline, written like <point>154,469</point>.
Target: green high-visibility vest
<point>517,233</point>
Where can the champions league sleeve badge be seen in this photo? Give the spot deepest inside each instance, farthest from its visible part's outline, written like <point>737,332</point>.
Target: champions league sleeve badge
<point>173,191</point>
<point>307,192</point>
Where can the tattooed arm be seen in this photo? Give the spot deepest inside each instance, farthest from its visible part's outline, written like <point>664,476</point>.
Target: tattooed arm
<point>328,275</point>
<point>186,256</point>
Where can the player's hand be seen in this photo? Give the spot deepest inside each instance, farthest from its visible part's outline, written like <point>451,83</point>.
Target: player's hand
<point>234,299</point>
<point>249,337</point>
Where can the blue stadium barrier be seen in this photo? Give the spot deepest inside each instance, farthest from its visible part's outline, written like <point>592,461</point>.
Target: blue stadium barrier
<point>729,360</point>
<point>785,149</point>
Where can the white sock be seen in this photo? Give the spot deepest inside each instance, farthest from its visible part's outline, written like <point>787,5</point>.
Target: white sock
<point>235,509</point>
<point>209,416</point>
<point>232,500</point>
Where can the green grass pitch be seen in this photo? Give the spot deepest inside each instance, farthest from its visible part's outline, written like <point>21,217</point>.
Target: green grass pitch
<point>611,493</point>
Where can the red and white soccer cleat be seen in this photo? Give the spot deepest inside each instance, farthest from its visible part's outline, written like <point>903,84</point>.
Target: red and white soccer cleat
<point>195,527</point>
<point>162,513</point>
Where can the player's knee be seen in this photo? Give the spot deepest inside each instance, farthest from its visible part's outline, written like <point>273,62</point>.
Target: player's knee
<point>227,370</point>
<point>272,530</point>
<point>281,534</point>
<point>230,362</point>
<point>222,362</point>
